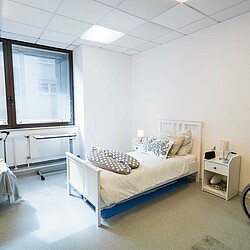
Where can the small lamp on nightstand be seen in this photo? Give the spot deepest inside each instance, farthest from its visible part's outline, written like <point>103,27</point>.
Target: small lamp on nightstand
<point>140,134</point>
<point>224,146</point>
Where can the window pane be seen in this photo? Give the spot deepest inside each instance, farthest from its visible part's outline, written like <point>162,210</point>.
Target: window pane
<point>3,108</point>
<point>42,85</point>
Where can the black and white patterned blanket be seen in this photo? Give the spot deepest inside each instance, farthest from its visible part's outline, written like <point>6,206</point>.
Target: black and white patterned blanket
<point>111,160</point>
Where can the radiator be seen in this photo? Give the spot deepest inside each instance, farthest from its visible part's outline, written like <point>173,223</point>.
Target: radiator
<point>23,149</point>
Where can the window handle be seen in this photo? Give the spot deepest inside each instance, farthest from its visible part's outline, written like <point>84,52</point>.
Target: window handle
<point>11,99</point>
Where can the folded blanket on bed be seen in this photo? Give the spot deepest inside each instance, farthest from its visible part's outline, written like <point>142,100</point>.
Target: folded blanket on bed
<point>110,160</point>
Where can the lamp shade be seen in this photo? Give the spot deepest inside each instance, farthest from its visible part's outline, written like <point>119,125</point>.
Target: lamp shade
<point>140,133</point>
<point>224,145</point>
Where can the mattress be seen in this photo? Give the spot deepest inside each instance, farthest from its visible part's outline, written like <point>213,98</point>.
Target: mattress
<point>152,172</point>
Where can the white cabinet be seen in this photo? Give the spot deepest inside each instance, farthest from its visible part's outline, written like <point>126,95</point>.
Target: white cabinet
<point>229,173</point>
<point>137,147</point>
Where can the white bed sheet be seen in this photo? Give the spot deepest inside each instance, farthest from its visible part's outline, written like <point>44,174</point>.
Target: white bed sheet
<point>152,172</point>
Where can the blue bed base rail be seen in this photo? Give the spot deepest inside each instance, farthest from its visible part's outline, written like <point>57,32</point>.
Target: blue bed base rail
<point>121,207</point>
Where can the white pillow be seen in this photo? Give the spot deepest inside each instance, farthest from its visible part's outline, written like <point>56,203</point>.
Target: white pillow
<point>184,150</point>
<point>178,141</point>
<point>187,144</point>
<point>188,136</point>
<point>158,147</point>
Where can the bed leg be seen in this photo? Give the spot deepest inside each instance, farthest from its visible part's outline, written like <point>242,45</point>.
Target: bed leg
<point>68,176</point>
<point>69,189</point>
<point>98,216</point>
<point>197,179</point>
<point>99,221</point>
<point>98,200</point>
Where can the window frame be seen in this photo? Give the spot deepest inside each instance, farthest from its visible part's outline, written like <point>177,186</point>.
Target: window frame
<point>9,85</point>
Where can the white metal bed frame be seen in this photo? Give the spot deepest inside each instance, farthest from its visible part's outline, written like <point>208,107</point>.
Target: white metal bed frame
<point>85,178</point>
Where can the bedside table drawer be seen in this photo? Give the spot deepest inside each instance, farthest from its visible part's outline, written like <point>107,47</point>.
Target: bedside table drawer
<point>216,168</point>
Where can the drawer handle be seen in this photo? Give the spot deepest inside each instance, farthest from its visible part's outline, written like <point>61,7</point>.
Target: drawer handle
<point>214,167</point>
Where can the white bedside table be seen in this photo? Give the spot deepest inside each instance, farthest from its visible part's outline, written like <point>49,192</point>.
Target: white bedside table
<point>137,147</point>
<point>229,172</point>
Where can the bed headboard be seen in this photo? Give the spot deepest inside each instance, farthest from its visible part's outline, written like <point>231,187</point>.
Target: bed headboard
<point>194,126</point>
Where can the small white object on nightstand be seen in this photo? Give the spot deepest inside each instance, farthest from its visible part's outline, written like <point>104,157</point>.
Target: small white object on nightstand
<point>137,147</point>
<point>229,172</point>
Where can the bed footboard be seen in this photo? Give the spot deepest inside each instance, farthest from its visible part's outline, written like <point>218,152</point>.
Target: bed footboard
<point>85,178</point>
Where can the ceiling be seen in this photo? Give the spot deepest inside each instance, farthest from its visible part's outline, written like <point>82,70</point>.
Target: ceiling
<point>146,23</point>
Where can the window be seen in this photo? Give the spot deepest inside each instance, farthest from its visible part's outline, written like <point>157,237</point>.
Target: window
<point>3,107</point>
<point>47,88</point>
<point>40,91</point>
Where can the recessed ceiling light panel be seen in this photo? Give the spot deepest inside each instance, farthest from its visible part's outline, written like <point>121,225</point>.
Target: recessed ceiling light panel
<point>101,35</point>
<point>181,1</point>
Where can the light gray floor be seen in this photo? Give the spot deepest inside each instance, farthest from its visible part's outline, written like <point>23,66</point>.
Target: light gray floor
<point>49,219</point>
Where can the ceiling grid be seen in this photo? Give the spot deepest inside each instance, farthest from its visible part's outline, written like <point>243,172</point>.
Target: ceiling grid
<point>145,23</point>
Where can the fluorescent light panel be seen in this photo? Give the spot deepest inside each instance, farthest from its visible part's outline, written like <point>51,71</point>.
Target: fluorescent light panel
<point>101,35</point>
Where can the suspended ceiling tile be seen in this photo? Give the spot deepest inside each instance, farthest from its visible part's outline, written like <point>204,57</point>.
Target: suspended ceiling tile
<point>114,48</point>
<point>25,14</point>
<point>233,11</point>
<point>146,46</point>
<point>77,42</point>
<point>146,9</point>
<point>120,21</point>
<point>93,44</point>
<point>84,10</point>
<point>198,25</point>
<point>52,43</point>
<point>128,42</point>
<point>71,47</point>
<point>18,37</point>
<point>67,25</point>
<point>212,6</point>
<point>149,31</point>
<point>177,17</point>
<point>21,29</point>
<point>169,37</point>
<point>113,3</point>
<point>132,52</point>
<point>58,37</point>
<point>44,4</point>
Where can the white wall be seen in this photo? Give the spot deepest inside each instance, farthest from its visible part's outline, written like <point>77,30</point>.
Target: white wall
<point>103,98</point>
<point>204,76</point>
<point>79,95</point>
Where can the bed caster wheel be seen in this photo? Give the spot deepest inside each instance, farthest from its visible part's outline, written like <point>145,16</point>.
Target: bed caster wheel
<point>41,175</point>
